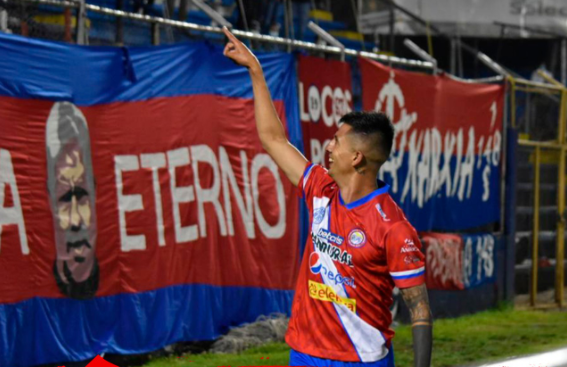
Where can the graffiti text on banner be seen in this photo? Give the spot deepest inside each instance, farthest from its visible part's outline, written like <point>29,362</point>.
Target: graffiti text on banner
<point>455,262</point>
<point>447,151</point>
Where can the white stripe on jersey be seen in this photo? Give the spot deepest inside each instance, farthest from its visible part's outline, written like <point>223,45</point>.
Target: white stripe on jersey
<point>407,273</point>
<point>306,176</point>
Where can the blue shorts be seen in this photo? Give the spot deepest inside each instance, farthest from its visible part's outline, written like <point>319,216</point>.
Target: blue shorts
<point>301,359</point>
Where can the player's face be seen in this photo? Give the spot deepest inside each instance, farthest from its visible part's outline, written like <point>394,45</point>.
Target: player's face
<point>73,211</point>
<point>341,152</point>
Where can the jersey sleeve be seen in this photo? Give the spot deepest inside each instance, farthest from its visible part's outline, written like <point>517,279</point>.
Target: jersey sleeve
<point>314,179</point>
<point>406,262</point>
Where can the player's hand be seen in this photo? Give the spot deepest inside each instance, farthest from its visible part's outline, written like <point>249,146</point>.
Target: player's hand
<point>238,52</point>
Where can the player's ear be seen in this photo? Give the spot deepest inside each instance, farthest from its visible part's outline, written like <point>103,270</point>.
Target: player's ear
<point>357,158</point>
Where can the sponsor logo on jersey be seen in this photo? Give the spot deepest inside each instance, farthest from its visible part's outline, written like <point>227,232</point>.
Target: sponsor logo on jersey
<point>315,263</point>
<point>409,246</point>
<point>326,293</point>
<point>382,214</point>
<point>330,236</point>
<point>317,267</point>
<point>318,215</point>
<point>357,238</point>
<point>407,249</point>
<point>410,259</point>
<point>334,252</point>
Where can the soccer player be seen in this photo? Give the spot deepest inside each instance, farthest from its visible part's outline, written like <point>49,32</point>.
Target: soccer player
<point>360,244</point>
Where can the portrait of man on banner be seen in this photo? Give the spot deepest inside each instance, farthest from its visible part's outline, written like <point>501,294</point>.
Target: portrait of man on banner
<point>70,184</point>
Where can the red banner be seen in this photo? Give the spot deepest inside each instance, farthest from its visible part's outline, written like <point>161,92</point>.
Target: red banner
<point>444,169</point>
<point>443,261</point>
<point>325,95</point>
<point>134,196</point>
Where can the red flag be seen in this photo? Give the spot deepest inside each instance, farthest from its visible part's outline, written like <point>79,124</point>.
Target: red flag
<point>98,361</point>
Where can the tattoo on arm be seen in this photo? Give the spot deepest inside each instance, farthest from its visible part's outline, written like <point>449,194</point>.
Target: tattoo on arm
<point>422,323</point>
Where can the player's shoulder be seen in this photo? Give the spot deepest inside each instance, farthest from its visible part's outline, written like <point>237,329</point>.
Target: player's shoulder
<point>317,173</point>
<point>389,218</point>
<point>387,210</point>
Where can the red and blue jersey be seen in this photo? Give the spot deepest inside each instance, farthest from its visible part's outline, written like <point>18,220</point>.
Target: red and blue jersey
<point>355,254</point>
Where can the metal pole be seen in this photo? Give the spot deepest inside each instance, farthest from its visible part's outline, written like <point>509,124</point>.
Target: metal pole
<point>512,102</point>
<point>286,18</point>
<point>119,39</point>
<point>453,57</point>
<point>325,36</point>
<point>356,14</point>
<point>182,16</point>
<point>243,15</point>
<point>560,240</point>
<point>564,61</point>
<point>535,231</point>
<point>67,36</point>
<point>291,24</point>
<point>392,26</point>
<point>421,53</point>
<point>212,13</point>
<point>3,21</point>
<point>24,29</point>
<point>81,24</point>
<point>155,34</point>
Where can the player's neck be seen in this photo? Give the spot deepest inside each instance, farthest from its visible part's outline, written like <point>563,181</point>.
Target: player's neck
<point>356,186</point>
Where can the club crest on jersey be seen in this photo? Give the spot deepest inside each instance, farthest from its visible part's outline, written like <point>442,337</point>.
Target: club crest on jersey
<point>382,214</point>
<point>318,215</point>
<point>315,264</point>
<point>330,236</point>
<point>357,238</point>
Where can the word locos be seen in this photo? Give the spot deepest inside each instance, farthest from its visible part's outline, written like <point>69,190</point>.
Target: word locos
<point>317,104</point>
<point>314,108</point>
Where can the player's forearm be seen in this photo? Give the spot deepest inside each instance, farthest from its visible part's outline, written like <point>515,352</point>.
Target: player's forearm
<point>422,323</point>
<point>270,128</point>
<point>422,332</point>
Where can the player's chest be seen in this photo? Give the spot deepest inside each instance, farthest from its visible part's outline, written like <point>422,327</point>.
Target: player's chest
<point>347,237</point>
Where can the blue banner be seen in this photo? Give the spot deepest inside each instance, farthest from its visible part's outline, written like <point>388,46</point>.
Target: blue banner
<point>179,242</point>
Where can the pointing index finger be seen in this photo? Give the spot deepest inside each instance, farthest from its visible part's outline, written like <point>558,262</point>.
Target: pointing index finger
<point>229,34</point>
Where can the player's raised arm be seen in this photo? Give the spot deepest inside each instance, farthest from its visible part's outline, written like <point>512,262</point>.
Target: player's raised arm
<point>270,129</point>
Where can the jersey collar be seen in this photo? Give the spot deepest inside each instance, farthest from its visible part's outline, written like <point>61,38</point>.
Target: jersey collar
<point>382,189</point>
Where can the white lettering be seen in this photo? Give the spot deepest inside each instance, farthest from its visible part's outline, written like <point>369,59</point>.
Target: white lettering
<point>127,203</point>
<point>246,210</point>
<point>202,153</point>
<point>318,151</point>
<point>154,162</point>
<point>314,104</point>
<point>184,194</point>
<point>328,119</point>
<point>303,111</point>
<point>13,214</point>
<point>278,230</point>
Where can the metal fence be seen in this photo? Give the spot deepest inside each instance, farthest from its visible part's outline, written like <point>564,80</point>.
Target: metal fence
<point>82,23</point>
<point>538,113</point>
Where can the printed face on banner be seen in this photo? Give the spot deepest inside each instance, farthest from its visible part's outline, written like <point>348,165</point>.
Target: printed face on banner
<point>71,191</point>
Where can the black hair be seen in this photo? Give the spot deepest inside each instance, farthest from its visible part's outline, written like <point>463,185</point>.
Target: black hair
<point>374,125</point>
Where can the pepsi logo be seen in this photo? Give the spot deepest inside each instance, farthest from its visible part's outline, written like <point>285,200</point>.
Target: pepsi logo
<point>315,264</point>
